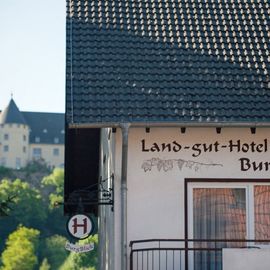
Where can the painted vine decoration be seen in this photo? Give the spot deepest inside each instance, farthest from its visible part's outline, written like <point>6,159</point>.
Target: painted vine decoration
<point>169,164</point>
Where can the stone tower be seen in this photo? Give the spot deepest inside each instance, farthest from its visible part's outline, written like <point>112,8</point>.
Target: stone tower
<point>14,137</point>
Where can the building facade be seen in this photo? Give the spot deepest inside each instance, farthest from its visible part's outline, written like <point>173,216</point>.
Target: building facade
<point>29,136</point>
<point>200,184</point>
<point>180,91</point>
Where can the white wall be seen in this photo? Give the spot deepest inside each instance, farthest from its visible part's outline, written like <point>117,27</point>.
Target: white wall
<point>17,143</point>
<point>156,192</point>
<point>47,154</point>
<point>19,148</point>
<point>245,259</point>
<point>106,214</point>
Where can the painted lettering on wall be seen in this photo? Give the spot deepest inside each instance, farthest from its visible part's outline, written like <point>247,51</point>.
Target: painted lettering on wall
<point>231,146</point>
<point>247,164</point>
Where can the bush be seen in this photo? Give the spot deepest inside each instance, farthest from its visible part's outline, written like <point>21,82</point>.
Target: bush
<point>36,166</point>
<point>88,260</point>
<point>5,172</point>
<point>54,250</point>
<point>45,265</point>
<point>21,248</point>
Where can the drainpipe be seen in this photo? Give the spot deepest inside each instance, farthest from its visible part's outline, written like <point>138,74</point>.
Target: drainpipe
<point>125,129</point>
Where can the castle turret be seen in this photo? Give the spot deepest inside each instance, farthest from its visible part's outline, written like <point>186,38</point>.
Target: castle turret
<point>14,137</point>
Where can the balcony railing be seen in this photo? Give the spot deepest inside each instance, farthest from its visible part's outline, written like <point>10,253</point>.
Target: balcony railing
<point>184,254</point>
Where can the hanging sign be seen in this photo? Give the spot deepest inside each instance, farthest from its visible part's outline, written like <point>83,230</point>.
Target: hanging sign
<point>80,226</point>
<point>79,248</point>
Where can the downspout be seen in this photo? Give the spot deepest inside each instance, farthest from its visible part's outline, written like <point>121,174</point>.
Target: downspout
<point>125,130</point>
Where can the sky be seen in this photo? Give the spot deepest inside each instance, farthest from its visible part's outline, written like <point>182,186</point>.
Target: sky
<point>32,54</point>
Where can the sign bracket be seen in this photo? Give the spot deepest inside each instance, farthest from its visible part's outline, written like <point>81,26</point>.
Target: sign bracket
<point>101,193</point>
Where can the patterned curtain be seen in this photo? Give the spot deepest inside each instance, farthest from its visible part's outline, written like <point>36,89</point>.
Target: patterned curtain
<point>262,212</point>
<point>218,213</point>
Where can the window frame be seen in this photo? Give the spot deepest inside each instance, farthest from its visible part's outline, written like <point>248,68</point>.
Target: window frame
<point>56,152</point>
<point>6,148</point>
<point>248,184</point>
<point>213,183</point>
<point>35,155</point>
<point>18,163</point>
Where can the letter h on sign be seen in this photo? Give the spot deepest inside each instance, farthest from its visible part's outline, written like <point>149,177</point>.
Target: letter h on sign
<point>76,225</point>
<point>80,226</point>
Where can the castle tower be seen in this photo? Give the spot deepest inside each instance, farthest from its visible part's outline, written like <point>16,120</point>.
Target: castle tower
<point>14,137</point>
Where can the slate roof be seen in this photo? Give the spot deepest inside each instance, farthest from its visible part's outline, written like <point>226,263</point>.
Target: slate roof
<point>198,61</point>
<point>45,128</point>
<point>11,114</point>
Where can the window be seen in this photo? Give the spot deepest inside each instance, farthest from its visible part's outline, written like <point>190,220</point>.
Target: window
<point>24,149</point>
<point>219,213</point>
<point>37,153</point>
<point>24,138</point>
<point>3,161</point>
<point>6,137</point>
<point>37,139</point>
<point>227,211</point>
<point>56,152</point>
<point>56,140</point>
<point>261,211</point>
<point>18,163</point>
<point>6,148</point>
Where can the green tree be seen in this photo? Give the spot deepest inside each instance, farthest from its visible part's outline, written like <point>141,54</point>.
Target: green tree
<point>56,181</point>
<point>45,265</point>
<point>29,208</point>
<point>53,248</point>
<point>5,205</point>
<point>88,260</point>
<point>5,172</point>
<point>36,166</point>
<point>21,248</point>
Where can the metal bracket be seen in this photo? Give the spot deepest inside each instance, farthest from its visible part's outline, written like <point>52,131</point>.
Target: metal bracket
<point>101,193</point>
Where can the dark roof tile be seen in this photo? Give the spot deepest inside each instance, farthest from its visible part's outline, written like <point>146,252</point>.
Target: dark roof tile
<point>137,61</point>
<point>48,127</point>
<point>12,115</point>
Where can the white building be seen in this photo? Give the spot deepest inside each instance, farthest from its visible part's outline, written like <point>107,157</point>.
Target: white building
<point>28,136</point>
<point>180,91</point>
<point>194,185</point>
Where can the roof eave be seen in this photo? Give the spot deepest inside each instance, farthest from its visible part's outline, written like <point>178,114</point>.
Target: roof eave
<point>171,124</point>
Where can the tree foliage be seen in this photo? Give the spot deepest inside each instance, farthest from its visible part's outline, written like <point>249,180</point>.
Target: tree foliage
<point>30,209</point>
<point>45,265</point>
<point>5,205</point>
<point>56,181</point>
<point>88,260</point>
<point>54,250</point>
<point>36,166</point>
<point>5,172</point>
<point>21,248</point>
<point>35,208</point>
